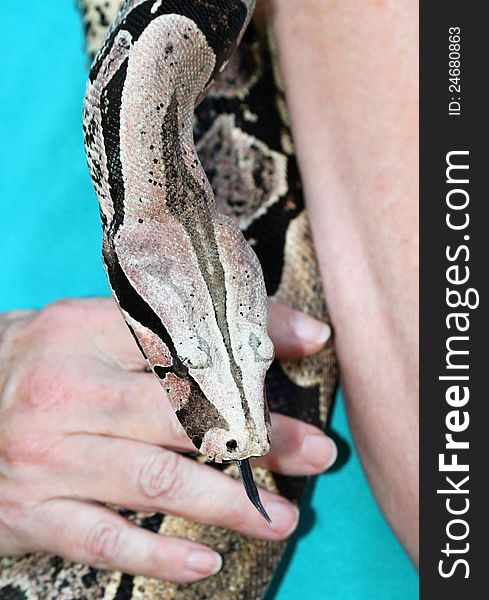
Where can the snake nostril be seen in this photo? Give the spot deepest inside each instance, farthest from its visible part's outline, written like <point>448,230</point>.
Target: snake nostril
<point>232,446</point>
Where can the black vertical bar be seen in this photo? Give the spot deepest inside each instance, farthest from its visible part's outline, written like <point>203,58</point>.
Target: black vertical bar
<point>465,133</point>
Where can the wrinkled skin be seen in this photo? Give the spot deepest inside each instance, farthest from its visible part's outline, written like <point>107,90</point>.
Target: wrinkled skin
<point>83,423</point>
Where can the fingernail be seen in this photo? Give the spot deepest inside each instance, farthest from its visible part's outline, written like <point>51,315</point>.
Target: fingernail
<point>284,517</point>
<point>319,451</point>
<point>311,330</point>
<point>203,562</point>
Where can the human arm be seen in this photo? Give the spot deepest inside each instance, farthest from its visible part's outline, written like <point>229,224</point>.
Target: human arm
<point>350,71</point>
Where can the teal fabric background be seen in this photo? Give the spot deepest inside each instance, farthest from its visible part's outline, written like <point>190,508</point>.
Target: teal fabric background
<point>50,248</point>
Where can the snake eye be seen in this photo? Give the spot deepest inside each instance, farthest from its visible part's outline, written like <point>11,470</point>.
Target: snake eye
<point>262,347</point>
<point>199,356</point>
<point>199,360</point>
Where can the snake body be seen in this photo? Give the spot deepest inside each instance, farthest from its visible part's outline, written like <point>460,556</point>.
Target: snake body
<point>191,289</point>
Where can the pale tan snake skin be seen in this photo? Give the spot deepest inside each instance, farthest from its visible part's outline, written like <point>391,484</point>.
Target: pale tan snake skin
<point>243,140</point>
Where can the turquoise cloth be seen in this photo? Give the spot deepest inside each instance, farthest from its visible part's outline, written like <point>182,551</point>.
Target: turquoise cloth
<point>50,248</point>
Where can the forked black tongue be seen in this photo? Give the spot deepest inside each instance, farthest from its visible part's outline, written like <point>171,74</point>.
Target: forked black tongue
<point>246,475</point>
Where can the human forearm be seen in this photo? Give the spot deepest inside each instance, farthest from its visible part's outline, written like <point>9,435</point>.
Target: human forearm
<point>350,73</point>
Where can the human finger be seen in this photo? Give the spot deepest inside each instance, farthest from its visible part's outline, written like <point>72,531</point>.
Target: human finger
<point>93,535</point>
<point>155,479</point>
<point>143,413</point>
<point>298,448</point>
<point>294,333</point>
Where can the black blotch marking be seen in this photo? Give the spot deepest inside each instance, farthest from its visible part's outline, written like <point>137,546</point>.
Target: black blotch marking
<point>232,446</point>
<point>161,372</point>
<point>12,592</point>
<point>110,106</point>
<point>102,17</point>
<point>56,564</point>
<point>125,587</point>
<point>258,177</point>
<point>197,441</point>
<point>289,399</point>
<point>219,20</point>
<point>152,522</point>
<point>199,414</point>
<point>89,579</point>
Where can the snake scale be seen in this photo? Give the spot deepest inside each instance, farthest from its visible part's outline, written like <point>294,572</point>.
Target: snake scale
<point>189,286</point>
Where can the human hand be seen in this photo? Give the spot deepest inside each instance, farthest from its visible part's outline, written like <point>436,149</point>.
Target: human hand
<point>82,423</point>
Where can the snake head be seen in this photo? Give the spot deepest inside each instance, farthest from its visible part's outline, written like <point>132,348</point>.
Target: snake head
<point>204,328</point>
<point>226,352</point>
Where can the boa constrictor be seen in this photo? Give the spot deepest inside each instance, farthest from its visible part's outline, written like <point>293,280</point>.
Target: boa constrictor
<point>190,287</point>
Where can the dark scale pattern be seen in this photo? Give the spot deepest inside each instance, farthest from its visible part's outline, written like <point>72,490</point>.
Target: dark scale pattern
<point>287,398</point>
<point>219,20</point>
<point>90,131</point>
<point>247,564</point>
<point>125,588</point>
<point>260,98</point>
<point>269,230</point>
<point>112,97</point>
<point>12,592</point>
<point>199,415</point>
<point>90,578</point>
<point>152,522</point>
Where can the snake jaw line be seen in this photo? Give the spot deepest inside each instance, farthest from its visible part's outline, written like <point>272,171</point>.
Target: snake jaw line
<point>246,475</point>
